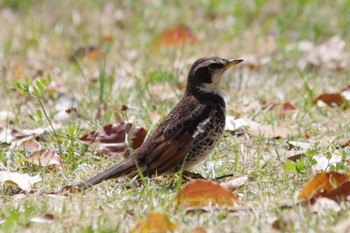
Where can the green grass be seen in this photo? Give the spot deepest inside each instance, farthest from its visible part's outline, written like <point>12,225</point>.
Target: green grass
<point>38,38</point>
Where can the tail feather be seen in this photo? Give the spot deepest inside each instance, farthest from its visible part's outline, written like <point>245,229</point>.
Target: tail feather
<point>124,168</point>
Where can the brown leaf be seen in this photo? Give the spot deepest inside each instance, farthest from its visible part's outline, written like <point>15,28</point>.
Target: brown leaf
<point>199,230</point>
<point>345,142</point>
<point>331,99</point>
<point>137,137</point>
<point>89,53</point>
<point>111,139</point>
<point>112,133</point>
<point>201,193</point>
<point>30,145</point>
<point>24,181</point>
<point>46,218</point>
<point>155,223</point>
<point>286,109</point>
<point>46,158</point>
<point>235,183</point>
<point>321,184</point>
<point>173,37</point>
<point>339,193</point>
<point>282,225</point>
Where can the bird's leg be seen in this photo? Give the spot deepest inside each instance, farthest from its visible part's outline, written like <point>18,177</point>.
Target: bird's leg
<point>191,175</point>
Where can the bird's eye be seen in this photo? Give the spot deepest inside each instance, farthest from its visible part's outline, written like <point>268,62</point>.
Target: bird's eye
<point>216,66</point>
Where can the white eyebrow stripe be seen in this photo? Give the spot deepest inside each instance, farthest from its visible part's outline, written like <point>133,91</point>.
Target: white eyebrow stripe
<point>206,63</point>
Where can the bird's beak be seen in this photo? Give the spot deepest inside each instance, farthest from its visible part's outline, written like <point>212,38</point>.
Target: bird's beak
<point>233,62</point>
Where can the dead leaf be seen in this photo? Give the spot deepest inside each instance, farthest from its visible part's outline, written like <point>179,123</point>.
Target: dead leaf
<point>282,224</point>
<point>6,117</point>
<point>202,193</point>
<point>285,109</point>
<point>233,123</point>
<point>346,92</point>
<point>8,135</point>
<point>46,158</point>
<point>321,183</point>
<point>111,139</point>
<point>323,205</point>
<point>298,144</point>
<point>296,155</point>
<point>137,137</point>
<point>236,183</point>
<point>339,193</point>
<point>46,218</point>
<point>271,131</point>
<point>88,54</point>
<point>324,163</point>
<point>345,142</point>
<point>342,227</point>
<point>199,230</point>
<point>30,145</point>
<point>174,37</point>
<point>155,223</point>
<point>24,181</point>
<point>112,133</point>
<point>331,99</point>
<point>329,55</point>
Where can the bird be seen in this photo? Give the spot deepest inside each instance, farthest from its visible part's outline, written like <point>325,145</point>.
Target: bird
<point>187,134</point>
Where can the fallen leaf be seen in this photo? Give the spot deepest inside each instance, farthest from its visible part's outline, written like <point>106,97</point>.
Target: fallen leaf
<point>331,99</point>
<point>324,163</point>
<point>296,155</point>
<point>199,230</point>
<point>339,193</point>
<point>282,224</point>
<point>343,226</point>
<point>112,133</point>
<point>6,117</point>
<point>137,137</point>
<point>346,92</point>
<point>24,181</point>
<point>329,55</point>
<point>233,123</point>
<point>89,53</point>
<point>271,131</point>
<point>345,142</point>
<point>286,109</point>
<point>155,223</point>
<point>174,37</point>
<point>108,140</point>
<point>321,183</point>
<point>46,218</point>
<point>202,193</point>
<point>111,139</point>
<point>30,145</point>
<point>46,158</point>
<point>234,184</point>
<point>323,205</point>
<point>301,145</point>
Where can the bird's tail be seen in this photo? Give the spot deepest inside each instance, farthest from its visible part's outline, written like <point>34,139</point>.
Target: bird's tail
<point>126,167</point>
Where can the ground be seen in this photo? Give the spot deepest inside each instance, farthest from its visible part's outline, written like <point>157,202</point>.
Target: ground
<point>111,61</point>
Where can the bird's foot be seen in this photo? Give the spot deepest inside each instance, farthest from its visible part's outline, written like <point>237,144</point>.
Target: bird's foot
<point>191,175</point>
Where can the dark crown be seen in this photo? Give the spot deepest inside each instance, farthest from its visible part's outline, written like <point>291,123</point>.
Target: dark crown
<point>203,70</point>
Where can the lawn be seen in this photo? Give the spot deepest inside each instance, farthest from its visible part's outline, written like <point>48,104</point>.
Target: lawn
<point>87,64</point>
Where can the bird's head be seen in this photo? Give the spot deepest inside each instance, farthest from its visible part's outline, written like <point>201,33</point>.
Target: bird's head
<point>205,74</point>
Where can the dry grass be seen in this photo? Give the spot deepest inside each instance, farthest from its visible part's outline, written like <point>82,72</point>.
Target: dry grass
<point>38,38</point>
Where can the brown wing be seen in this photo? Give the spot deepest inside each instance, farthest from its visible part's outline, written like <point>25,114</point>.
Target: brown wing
<point>172,143</point>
